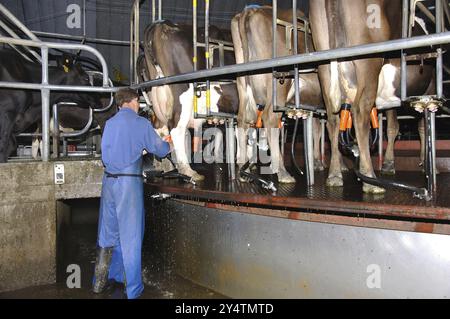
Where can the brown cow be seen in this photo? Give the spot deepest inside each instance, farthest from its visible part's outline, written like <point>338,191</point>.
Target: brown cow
<point>252,39</point>
<point>336,24</point>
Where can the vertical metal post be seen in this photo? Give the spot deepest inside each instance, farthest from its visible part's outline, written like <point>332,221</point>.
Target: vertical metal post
<point>132,66</point>
<point>380,141</point>
<point>308,123</point>
<point>136,41</point>
<point>194,58</point>
<point>309,149</point>
<point>65,152</point>
<point>153,11</point>
<point>159,10</point>
<point>403,68</point>
<point>84,18</point>
<point>439,68</point>
<point>55,131</point>
<point>322,141</point>
<point>45,96</point>
<point>230,136</point>
<point>295,51</point>
<point>429,156</point>
<point>274,52</point>
<point>208,66</point>
<point>431,118</point>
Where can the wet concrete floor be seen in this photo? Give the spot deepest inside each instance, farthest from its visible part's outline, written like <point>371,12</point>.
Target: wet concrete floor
<point>77,245</point>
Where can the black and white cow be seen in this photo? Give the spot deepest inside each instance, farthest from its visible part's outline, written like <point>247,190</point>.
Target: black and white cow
<point>168,51</point>
<point>20,109</point>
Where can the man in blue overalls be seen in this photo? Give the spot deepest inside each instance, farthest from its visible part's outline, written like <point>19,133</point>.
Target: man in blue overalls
<point>121,221</point>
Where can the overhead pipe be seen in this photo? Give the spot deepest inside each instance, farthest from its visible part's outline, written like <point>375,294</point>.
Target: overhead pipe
<point>80,38</point>
<point>261,66</point>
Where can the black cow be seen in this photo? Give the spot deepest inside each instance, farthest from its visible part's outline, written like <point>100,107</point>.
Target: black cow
<point>20,109</point>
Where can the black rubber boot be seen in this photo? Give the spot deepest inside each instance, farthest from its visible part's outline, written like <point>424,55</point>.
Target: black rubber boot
<point>102,263</point>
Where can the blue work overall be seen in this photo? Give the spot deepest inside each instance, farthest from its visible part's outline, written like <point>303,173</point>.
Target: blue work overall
<point>121,221</point>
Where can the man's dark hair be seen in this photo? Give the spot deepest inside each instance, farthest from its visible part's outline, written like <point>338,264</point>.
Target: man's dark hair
<point>126,96</point>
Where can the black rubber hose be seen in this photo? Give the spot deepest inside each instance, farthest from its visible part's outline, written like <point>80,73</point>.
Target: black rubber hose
<point>445,109</point>
<point>375,138</point>
<point>294,138</point>
<point>255,178</point>
<point>419,192</point>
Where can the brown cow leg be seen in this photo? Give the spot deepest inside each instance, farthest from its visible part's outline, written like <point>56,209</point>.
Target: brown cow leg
<point>361,115</point>
<point>273,136</point>
<point>242,158</point>
<point>334,174</point>
<point>388,167</point>
<point>318,165</point>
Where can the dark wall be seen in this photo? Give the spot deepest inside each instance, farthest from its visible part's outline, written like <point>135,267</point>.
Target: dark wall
<point>110,19</point>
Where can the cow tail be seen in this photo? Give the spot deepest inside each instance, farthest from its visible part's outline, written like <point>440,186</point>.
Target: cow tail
<point>148,42</point>
<point>333,27</point>
<point>335,89</point>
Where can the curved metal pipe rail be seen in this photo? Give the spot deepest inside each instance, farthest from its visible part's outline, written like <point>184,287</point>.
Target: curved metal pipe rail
<point>67,46</point>
<point>83,131</point>
<point>45,87</point>
<point>111,101</point>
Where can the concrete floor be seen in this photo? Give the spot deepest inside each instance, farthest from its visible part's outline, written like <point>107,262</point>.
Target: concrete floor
<point>77,245</point>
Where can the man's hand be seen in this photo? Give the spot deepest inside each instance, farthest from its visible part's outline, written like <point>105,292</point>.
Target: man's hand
<point>168,139</point>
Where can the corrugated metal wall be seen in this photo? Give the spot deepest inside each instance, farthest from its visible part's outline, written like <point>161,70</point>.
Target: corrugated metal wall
<point>110,19</point>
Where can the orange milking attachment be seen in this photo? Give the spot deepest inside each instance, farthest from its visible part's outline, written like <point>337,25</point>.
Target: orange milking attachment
<point>375,126</point>
<point>345,125</point>
<point>259,112</point>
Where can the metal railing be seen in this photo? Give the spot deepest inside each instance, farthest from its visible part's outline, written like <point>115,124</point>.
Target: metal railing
<point>45,87</point>
<point>262,66</point>
<point>348,53</point>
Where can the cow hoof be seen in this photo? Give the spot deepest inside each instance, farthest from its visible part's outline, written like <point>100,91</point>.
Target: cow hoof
<point>388,168</point>
<point>196,177</point>
<point>285,178</point>
<point>371,189</point>
<point>335,181</point>
<point>318,166</point>
<point>244,179</point>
